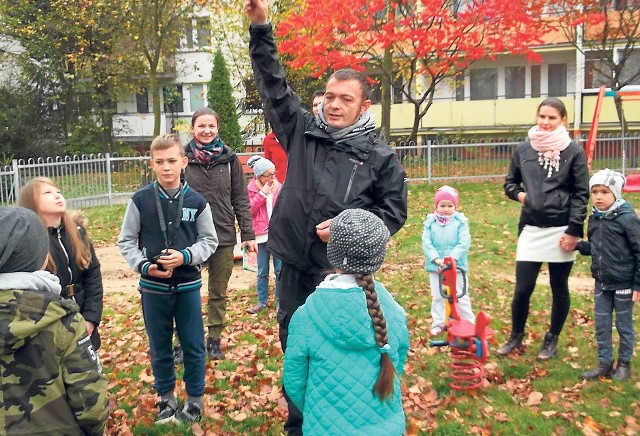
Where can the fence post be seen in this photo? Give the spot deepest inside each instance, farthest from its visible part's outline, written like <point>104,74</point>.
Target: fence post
<point>16,180</point>
<point>428,160</point>
<point>109,190</point>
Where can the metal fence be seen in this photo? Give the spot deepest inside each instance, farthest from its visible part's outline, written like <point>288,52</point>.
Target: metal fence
<point>96,180</point>
<point>485,160</point>
<point>86,181</point>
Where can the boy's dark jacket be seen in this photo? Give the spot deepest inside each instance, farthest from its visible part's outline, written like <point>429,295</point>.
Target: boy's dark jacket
<point>141,238</point>
<point>614,247</point>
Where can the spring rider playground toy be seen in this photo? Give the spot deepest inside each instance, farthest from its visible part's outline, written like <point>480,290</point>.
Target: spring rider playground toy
<point>467,341</point>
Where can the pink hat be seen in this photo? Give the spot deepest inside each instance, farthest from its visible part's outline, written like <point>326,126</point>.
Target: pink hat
<point>446,192</point>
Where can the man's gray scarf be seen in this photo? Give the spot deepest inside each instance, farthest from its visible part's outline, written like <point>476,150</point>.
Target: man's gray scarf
<point>365,124</point>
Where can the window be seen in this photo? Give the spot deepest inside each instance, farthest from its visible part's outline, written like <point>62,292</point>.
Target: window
<point>621,5</point>
<point>196,94</point>
<point>460,6</point>
<point>376,90</point>
<point>188,35</point>
<point>514,81</point>
<point>404,10</point>
<point>557,78</point>
<point>535,81</point>
<point>173,99</point>
<point>142,101</point>
<point>484,83</point>
<point>380,14</point>
<point>252,102</point>
<point>554,8</point>
<point>631,69</point>
<point>460,86</point>
<point>203,32</point>
<point>396,89</point>
<point>198,33</point>
<point>597,70</point>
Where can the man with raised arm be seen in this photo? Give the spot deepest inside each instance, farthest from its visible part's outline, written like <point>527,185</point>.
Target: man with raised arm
<point>336,162</point>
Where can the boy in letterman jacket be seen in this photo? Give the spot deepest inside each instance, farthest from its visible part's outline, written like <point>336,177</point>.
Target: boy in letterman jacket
<point>167,232</point>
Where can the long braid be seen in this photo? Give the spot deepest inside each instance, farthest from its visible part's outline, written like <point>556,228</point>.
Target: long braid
<point>384,385</point>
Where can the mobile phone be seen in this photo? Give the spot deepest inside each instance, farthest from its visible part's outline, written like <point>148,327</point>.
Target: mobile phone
<point>155,259</point>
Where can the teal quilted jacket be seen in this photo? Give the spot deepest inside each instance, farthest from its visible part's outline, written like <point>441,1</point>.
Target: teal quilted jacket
<point>332,361</point>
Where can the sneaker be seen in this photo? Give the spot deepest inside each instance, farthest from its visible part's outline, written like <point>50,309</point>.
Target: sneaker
<point>549,347</point>
<point>437,330</point>
<point>255,309</point>
<point>178,355</point>
<point>191,412</point>
<point>213,349</point>
<point>166,413</point>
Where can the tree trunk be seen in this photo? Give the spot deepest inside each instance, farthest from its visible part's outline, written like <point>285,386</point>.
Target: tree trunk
<point>385,100</point>
<point>628,159</point>
<point>412,141</point>
<point>416,124</point>
<point>106,117</point>
<point>155,101</point>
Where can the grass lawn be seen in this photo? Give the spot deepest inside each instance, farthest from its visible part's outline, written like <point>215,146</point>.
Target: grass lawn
<point>520,395</point>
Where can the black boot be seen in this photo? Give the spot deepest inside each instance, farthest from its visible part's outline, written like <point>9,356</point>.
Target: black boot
<point>623,370</point>
<point>603,370</point>
<point>514,341</point>
<point>549,347</point>
<point>214,350</point>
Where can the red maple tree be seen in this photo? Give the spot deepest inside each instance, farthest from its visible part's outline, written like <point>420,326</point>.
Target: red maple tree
<point>424,42</point>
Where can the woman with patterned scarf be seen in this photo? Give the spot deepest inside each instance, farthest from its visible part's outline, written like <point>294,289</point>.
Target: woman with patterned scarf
<point>549,176</point>
<point>215,171</point>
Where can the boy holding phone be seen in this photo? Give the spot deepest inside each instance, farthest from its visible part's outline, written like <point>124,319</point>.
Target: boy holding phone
<point>167,232</point>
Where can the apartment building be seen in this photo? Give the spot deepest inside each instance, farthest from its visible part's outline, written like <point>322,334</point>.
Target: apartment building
<point>495,98</point>
<point>185,81</point>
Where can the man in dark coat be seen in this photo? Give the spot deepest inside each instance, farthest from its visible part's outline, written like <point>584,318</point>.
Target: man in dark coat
<point>336,162</point>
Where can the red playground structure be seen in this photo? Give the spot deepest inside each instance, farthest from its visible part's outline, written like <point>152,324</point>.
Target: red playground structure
<point>467,341</point>
<point>632,183</point>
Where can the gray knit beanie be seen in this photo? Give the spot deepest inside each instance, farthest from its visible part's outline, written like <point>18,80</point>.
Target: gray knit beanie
<point>357,242</point>
<point>611,179</point>
<point>24,243</point>
<point>260,165</point>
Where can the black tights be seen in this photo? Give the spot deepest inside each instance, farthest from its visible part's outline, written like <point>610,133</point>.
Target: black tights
<point>526,275</point>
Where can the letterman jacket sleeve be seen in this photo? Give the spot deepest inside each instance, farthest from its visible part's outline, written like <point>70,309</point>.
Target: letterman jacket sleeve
<point>128,239</point>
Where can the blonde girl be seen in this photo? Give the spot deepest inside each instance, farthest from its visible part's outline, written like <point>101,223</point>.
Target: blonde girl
<point>72,257</point>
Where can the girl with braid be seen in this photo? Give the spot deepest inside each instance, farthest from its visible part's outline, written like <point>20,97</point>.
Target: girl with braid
<point>348,343</point>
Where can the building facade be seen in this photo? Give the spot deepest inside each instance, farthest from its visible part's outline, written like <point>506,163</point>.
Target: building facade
<point>493,99</point>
